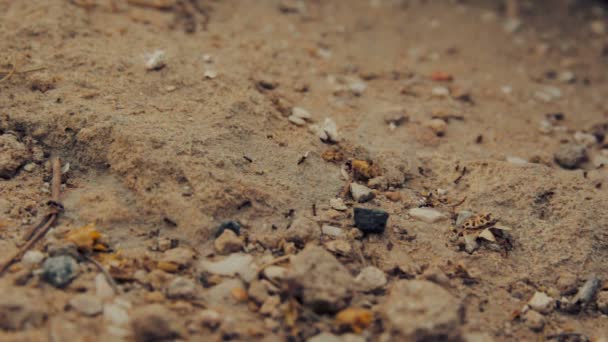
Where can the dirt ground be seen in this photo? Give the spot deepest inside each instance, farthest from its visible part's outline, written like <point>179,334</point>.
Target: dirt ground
<point>448,106</point>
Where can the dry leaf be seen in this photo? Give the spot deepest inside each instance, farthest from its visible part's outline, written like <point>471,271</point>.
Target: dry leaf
<point>356,318</point>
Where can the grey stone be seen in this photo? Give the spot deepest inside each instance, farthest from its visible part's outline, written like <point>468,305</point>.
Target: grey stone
<point>417,310</point>
<point>60,270</point>
<point>324,283</point>
<point>571,156</point>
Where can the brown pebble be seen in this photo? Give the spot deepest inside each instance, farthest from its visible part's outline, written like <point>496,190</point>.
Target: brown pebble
<point>393,196</point>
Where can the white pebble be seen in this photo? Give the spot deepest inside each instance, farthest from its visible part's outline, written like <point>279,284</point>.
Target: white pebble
<point>426,214</point>
<point>235,264</point>
<point>301,113</point>
<point>440,92</point>
<point>156,60</point>
<point>210,74</point>
<point>585,139</point>
<point>541,302</point>
<point>103,290</point>
<point>115,314</point>
<point>86,304</point>
<point>331,230</point>
<point>32,257</point>
<point>337,204</point>
<point>296,120</point>
<point>329,131</point>
<point>517,161</point>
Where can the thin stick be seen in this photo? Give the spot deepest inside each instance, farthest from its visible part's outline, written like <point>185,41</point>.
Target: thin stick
<point>104,271</point>
<point>9,74</point>
<point>34,234</point>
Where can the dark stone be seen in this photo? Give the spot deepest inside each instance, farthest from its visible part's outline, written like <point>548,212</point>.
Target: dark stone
<point>371,221</point>
<point>60,270</point>
<point>232,225</point>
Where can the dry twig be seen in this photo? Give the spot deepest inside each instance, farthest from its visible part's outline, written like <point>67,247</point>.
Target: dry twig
<point>38,231</point>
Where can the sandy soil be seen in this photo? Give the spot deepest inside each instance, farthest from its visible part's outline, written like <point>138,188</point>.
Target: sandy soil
<point>455,108</point>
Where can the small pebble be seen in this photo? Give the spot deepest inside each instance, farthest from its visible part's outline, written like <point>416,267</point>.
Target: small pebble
<point>235,264</point>
<point>548,94</point>
<point>339,246</point>
<point>209,318</point>
<point>440,92</point>
<point>156,60</point>
<point>210,74</point>
<point>541,303</point>
<point>329,131</point>
<point>337,204</point>
<point>103,290</point>
<point>426,214</point>
<point>296,120</point>
<point>115,314</point>
<point>438,126</point>
<point>370,221</point>
<point>228,243</point>
<point>29,167</point>
<point>357,87</point>
<point>570,156</point>
<point>301,113</point>
<point>361,193</point>
<point>566,77</point>
<point>181,288</point>
<point>598,27</point>
<point>370,279</point>
<point>60,270</point>
<point>275,273</point>
<point>585,139</point>
<point>32,257</point>
<point>331,230</point>
<point>86,304</point>
<point>534,321</point>
<point>602,302</point>
<point>512,25</point>
<point>517,161</point>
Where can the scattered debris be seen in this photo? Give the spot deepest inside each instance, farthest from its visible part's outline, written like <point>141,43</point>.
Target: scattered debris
<point>370,221</point>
